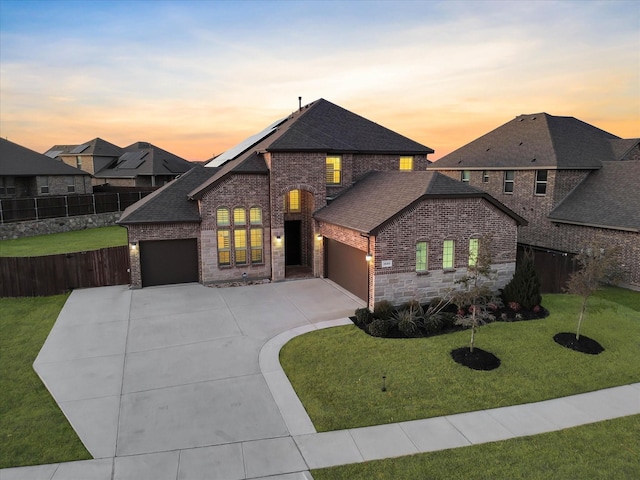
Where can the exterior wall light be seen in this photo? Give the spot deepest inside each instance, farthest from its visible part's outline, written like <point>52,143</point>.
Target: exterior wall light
<point>134,246</point>
<point>319,236</point>
<point>368,257</point>
<point>278,238</point>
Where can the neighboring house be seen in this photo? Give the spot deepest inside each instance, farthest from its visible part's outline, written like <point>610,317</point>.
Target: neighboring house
<point>278,204</point>
<point>138,165</point>
<point>26,173</point>
<point>571,181</point>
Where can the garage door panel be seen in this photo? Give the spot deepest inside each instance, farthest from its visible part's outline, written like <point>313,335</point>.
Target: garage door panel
<point>347,267</point>
<point>165,262</point>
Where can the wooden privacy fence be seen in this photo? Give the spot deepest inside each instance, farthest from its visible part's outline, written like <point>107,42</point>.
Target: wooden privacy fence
<point>38,208</point>
<point>56,274</point>
<point>553,269</point>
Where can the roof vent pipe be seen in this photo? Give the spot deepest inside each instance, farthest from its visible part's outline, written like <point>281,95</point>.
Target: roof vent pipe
<point>299,104</point>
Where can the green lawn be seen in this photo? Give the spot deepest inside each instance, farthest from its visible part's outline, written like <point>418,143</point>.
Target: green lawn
<point>602,450</point>
<point>77,241</point>
<point>33,430</point>
<point>337,372</point>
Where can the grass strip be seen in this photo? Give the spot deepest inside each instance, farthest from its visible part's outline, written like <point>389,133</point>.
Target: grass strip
<point>337,372</point>
<point>68,242</point>
<point>33,429</point>
<point>602,450</point>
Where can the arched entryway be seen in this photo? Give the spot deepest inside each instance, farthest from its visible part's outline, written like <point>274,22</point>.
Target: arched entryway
<point>298,233</point>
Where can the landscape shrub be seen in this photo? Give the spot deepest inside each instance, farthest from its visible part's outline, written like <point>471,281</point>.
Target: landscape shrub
<point>363,316</point>
<point>382,309</point>
<point>524,287</point>
<point>379,328</point>
<point>407,321</point>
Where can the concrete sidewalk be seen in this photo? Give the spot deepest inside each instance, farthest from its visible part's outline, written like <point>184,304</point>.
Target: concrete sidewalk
<point>184,382</point>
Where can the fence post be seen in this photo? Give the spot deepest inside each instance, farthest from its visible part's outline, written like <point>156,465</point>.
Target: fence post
<point>66,204</point>
<point>93,200</point>
<point>1,213</point>
<point>35,206</point>
<point>119,208</point>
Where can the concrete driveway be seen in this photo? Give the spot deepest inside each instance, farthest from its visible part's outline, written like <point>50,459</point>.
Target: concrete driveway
<point>174,372</point>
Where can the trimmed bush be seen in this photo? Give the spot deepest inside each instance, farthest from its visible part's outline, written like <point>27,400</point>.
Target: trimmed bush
<point>382,309</point>
<point>407,323</point>
<point>363,316</point>
<point>379,328</point>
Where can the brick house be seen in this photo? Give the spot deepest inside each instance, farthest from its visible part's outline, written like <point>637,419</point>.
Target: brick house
<point>571,181</point>
<point>141,164</point>
<point>275,206</point>
<point>26,173</point>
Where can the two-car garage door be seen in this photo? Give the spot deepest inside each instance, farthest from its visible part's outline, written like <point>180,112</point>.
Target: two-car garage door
<point>347,267</point>
<point>164,262</point>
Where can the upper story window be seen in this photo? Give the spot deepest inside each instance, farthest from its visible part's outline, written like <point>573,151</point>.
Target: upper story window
<point>473,251</point>
<point>448,251</point>
<point>334,170</point>
<point>485,176</point>
<point>292,201</point>
<point>422,255</point>
<point>406,164</point>
<point>78,161</point>
<point>541,182</point>
<point>239,216</point>
<point>255,216</point>
<point>71,186</point>
<point>222,217</point>
<point>509,179</point>
<point>465,176</point>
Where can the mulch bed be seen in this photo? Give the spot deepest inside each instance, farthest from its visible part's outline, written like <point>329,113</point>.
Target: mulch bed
<point>583,345</point>
<point>477,360</point>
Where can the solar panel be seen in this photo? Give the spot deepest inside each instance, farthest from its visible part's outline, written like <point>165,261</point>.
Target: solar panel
<point>244,145</point>
<point>53,153</point>
<point>80,148</point>
<point>131,159</point>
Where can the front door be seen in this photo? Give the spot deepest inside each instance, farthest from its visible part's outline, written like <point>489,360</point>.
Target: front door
<point>292,242</point>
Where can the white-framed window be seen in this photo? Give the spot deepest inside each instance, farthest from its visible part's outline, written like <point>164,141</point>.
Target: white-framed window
<point>71,185</point>
<point>541,182</point>
<point>44,185</point>
<point>334,170</point>
<point>255,239</point>
<point>509,180</point>
<point>78,161</point>
<point>485,176</point>
<point>465,176</point>
<point>422,256</point>
<point>448,254</point>
<point>240,246</point>
<point>7,186</point>
<point>406,163</point>
<point>244,239</point>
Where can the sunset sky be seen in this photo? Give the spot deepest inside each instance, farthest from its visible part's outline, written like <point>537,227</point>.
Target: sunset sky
<point>196,77</point>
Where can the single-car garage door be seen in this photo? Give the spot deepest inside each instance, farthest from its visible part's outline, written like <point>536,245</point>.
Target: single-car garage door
<point>347,267</point>
<point>164,262</point>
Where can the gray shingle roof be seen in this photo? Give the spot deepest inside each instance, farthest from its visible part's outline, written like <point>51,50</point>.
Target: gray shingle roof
<point>320,126</point>
<point>609,198</point>
<point>152,161</point>
<point>535,140</point>
<point>96,147</point>
<point>19,161</point>
<point>169,204</point>
<point>378,197</point>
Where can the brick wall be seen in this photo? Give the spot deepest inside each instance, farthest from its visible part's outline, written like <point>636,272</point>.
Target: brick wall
<point>58,184</point>
<point>523,201</point>
<point>155,231</point>
<point>432,221</point>
<point>245,191</point>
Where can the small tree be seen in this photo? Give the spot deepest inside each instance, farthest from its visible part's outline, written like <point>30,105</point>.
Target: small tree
<point>598,266</point>
<point>524,287</point>
<point>473,298</point>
